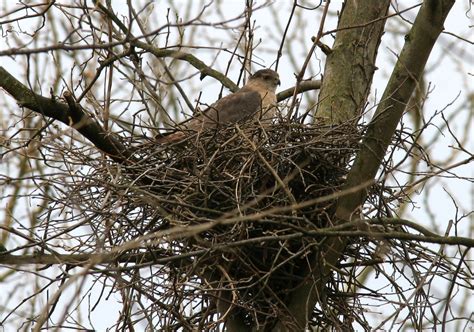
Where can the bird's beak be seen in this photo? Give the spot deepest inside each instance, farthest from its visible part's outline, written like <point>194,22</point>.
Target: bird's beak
<point>278,82</point>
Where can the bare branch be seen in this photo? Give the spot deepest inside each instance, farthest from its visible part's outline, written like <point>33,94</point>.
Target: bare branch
<point>72,115</point>
<point>302,87</point>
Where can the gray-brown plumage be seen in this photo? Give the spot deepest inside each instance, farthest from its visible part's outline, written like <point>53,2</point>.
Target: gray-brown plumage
<point>255,100</point>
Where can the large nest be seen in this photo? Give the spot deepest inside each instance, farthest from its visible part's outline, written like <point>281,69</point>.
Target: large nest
<point>260,187</point>
<point>242,171</point>
<point>221,216</point>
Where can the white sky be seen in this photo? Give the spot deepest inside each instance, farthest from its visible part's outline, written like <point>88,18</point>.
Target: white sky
<point>448,76</point>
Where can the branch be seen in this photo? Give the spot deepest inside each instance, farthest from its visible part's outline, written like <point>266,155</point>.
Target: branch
<point>191,59</point>
<point>70,114</point>
<point>154,257</point>
<point>302,87</point>
<point>355,229</point>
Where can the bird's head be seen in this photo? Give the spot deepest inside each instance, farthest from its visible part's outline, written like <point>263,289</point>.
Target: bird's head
<point>268,77</point>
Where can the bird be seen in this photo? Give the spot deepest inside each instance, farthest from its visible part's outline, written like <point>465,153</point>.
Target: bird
<point>256,100</point>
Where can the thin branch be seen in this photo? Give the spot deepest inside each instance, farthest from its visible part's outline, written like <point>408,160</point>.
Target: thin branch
<point>354,229</point>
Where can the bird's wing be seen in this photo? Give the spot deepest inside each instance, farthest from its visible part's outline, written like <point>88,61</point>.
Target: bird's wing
<point>231,109</point>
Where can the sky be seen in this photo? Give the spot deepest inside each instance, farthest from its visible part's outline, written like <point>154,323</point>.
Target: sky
<point>449,76</point>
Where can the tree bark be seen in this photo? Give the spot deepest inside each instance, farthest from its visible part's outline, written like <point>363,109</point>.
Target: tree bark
<point>350,65</point>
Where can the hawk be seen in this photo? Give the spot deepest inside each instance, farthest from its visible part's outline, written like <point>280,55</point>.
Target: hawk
<point>255,100</point>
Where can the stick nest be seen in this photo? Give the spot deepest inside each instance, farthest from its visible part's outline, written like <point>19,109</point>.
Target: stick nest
<point>240,171</point>
<point>260,189</point>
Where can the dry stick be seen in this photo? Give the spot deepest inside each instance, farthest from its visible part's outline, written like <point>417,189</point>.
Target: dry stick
<point>269,167</point>
<point>279,53</point>
<point>408,70</point>
<point>419,284</point>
